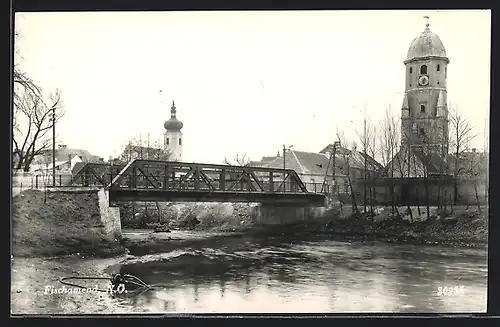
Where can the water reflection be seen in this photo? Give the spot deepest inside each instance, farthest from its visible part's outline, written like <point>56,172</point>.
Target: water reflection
<point>274,275</point>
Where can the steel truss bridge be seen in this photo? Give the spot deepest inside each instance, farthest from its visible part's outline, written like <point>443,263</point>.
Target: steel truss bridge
<point>151,180</point>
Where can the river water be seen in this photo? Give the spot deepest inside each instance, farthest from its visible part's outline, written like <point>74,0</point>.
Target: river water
<point>252,275</point>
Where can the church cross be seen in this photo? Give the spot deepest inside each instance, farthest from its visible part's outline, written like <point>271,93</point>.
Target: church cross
<point>427,21</point>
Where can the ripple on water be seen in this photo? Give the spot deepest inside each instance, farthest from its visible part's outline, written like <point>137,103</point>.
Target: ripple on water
<point>319,276</point>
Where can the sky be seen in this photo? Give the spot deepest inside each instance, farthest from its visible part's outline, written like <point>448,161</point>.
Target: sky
<point>243,82</point>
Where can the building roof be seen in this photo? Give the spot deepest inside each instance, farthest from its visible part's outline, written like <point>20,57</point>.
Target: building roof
<point>256,163</point>
<point>357,158</point>
<point>307,163</point>
<point>431,162</point>
<point>48,165</point>
<point>64,153</point>
<point>77,167</point>
<point>434,163</point>
<point>426,44</point>
<point>268,159</point>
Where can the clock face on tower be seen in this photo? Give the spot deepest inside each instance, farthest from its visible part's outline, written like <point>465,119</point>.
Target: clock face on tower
<point>423,80</point>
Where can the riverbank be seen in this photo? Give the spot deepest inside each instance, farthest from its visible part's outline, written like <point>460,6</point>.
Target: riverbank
<point>463,227</point>
<point>59,223</point>
<point>68,223</point>
<point>466,229</point>
<point>31,276</point>
<point>61,235</point>
<point>57,235</point>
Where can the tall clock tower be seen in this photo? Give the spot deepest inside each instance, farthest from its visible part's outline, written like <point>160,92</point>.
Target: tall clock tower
<point>424,116</point>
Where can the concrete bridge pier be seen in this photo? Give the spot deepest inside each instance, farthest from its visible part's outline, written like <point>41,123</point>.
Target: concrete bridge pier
<point>110,216</point>
<point>266,214</point>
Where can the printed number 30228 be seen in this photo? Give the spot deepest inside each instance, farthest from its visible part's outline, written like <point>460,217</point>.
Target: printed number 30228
<point>451,290</point>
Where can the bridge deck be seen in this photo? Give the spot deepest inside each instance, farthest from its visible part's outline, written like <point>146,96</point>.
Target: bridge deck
<point>151,180</point>
<point>296,199</point>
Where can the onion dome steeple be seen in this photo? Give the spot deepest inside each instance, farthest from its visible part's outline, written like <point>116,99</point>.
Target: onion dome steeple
<point>173,124</point>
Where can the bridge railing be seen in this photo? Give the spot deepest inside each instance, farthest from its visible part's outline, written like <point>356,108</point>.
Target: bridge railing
<point>319,187</point>
<point>95,174</point>
<point>101,175</point>
<point>179,176</point>
<point>40,181</point>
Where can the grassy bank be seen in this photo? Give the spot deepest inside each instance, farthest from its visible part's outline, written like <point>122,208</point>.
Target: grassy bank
<point>59,224</point>
<point>68,223</point>
<point>464,228</point>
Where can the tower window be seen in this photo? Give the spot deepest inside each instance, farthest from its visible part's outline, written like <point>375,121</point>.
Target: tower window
<point>180,141</point>
<point>168,141</point>
<point>423,69</point>
<point>438,68</point>
<point>445,72</point>
<point>422,108</point>
<point>411,70</point>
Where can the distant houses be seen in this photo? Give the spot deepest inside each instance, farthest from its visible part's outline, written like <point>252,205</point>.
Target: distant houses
<point>316,169</point>
<point>405,179</point>
<point>68,160</point>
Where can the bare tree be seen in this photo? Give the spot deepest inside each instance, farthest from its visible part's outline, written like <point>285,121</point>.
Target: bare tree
<point>472,172</point>
<point>363,138</point>
<point>389,148</point>
<point>345,167</point>
<point>31,122</point>
<point>372,151</point>
<point>460,135</point>
<point>25,84</point>
<point>238,160</point>
<point>161,153</point>
<point>403,165</point>
<point>46,179</point>
<point>22,82</point>
<point>425,169</point>
<point>137,148</point>
<point>368,142</point>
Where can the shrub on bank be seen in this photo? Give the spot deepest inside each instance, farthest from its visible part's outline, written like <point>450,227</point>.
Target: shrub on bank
<point>196,215</point>
<point>463,226</point>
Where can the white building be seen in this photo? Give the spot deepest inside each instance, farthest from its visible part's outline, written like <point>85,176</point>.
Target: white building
<point>173,135</point>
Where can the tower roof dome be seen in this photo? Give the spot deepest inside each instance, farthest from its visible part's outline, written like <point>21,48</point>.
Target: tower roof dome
<point>173,124</point>
<point>426,44</point>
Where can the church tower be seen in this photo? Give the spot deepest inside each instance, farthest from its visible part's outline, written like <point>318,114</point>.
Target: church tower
<point>424,115</point>
<point>173,135</point>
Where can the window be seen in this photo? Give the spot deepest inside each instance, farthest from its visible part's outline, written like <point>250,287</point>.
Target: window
<point>411,70</point>
<point>445,71</point>
<point>180,141</point>
<point>168,141</point>
<point>438,68</point>
<point>421,131</point>
<point>423,69</point>
<point>422,108</point>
